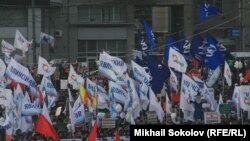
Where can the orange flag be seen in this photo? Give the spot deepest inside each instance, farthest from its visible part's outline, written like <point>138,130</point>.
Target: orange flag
<point>83,94</point>
<point>92,133</point>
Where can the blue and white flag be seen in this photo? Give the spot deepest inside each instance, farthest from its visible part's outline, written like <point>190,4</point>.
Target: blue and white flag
<point>91,87</point>
<point>44,68</point>
<point>184,46</point>
<point>214,57</point>
<point>170,44</point>
<point>78,113</point>
<point>150,35</point>
<point>48,87</point>
<point>177,61</point>
<point>21,74</point>
<point>118,92</point>
<point>141,74</point>
<point>213,76</point>
<point>21,42</point>
<point>207,10</point>
<point>198,48</point>
<point>136,106</point>
<point>28,108</point>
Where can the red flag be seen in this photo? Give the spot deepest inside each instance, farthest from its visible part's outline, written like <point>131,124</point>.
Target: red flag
<point>117,136</point>
<point>247,76</point>
<point>8,137</point>
<point>44,127</point>
<point>92,133</point>
<point>175,97</point>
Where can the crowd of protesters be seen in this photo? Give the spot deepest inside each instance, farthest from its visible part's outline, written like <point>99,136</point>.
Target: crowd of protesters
<point>62,122</point>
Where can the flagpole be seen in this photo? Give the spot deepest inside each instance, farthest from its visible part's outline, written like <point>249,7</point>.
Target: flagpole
<point>242,120</point>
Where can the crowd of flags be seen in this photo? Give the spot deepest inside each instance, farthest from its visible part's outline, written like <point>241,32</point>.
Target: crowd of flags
<point>134,88</point>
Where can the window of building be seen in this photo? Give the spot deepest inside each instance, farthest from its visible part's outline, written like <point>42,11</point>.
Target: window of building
<point>92,48</point>
<point>217,3</point>
<point>13,17</point>
<point>101,14</point>
<point>143,13</point>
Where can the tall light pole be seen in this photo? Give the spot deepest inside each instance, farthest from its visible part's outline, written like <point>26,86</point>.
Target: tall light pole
<point>33,31</point>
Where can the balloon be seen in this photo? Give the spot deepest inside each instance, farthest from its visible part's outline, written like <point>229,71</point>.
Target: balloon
<point>100,115</point>
<point>118,108</point>
<point>122,115</point>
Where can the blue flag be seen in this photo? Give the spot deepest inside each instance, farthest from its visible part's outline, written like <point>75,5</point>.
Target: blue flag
<point>214,58</point>
<point>150,35</point>
<point>207,10</point>
<point>184,46</point>
<point>198,48</point>
<point>170,43</point>
<point>159,73</point>
<point>142,46</point>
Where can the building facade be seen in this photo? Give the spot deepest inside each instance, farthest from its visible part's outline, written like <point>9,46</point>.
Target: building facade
<point>84,28</point>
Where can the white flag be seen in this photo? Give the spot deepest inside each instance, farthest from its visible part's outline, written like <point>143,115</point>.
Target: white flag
<point>177,61</point>
<point>44,68</point>
<point>71,117</point>
<point>47,39</point>
<point>227,74</point>
<point>7,47</point>
<point>213,76</point>
<point>21,42</point>
<point>136,105</point>
<point>154,105</point>
<point>90,87</point>
<point>74,79</point>
<point>119,66</point>
<point>119,93</point>
<point>6,97</point>
<point>168,105</point>
<point>140,74</point>
<point>173,80</point>
<point>2,68</point>
<point>244,98</point>
<point>21,74</point>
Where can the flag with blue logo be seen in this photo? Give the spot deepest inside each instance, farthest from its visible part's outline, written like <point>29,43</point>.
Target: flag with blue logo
<point>170,44</point>
<point>150,35</point>
<point>159,73</point>
<point>141,44</point>
<point>214,58</point>
<point>198,48</point>
<point>207,10</point>
<point>184,46</point>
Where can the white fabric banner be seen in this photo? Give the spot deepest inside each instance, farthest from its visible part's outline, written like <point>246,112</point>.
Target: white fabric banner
<point>118,65</point>
<point>136,105</point>
<point>227,74</point>
<point>21,74</point>
<point>140,74</point>
<point>21,42</point>
<point>177,61</point>
<point>90,87</point>
<point>188,90</point>
<point>213,76</point>
<point>173,80</point>
<point>28,108</point>
<point>7,47</point>
<point>44,68</point>
<point>245,97</point>
<point>48,87</point>
<point>2,68</point>
<point>119,93</point>
<point>74,79</point>
<point>6,97</point>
